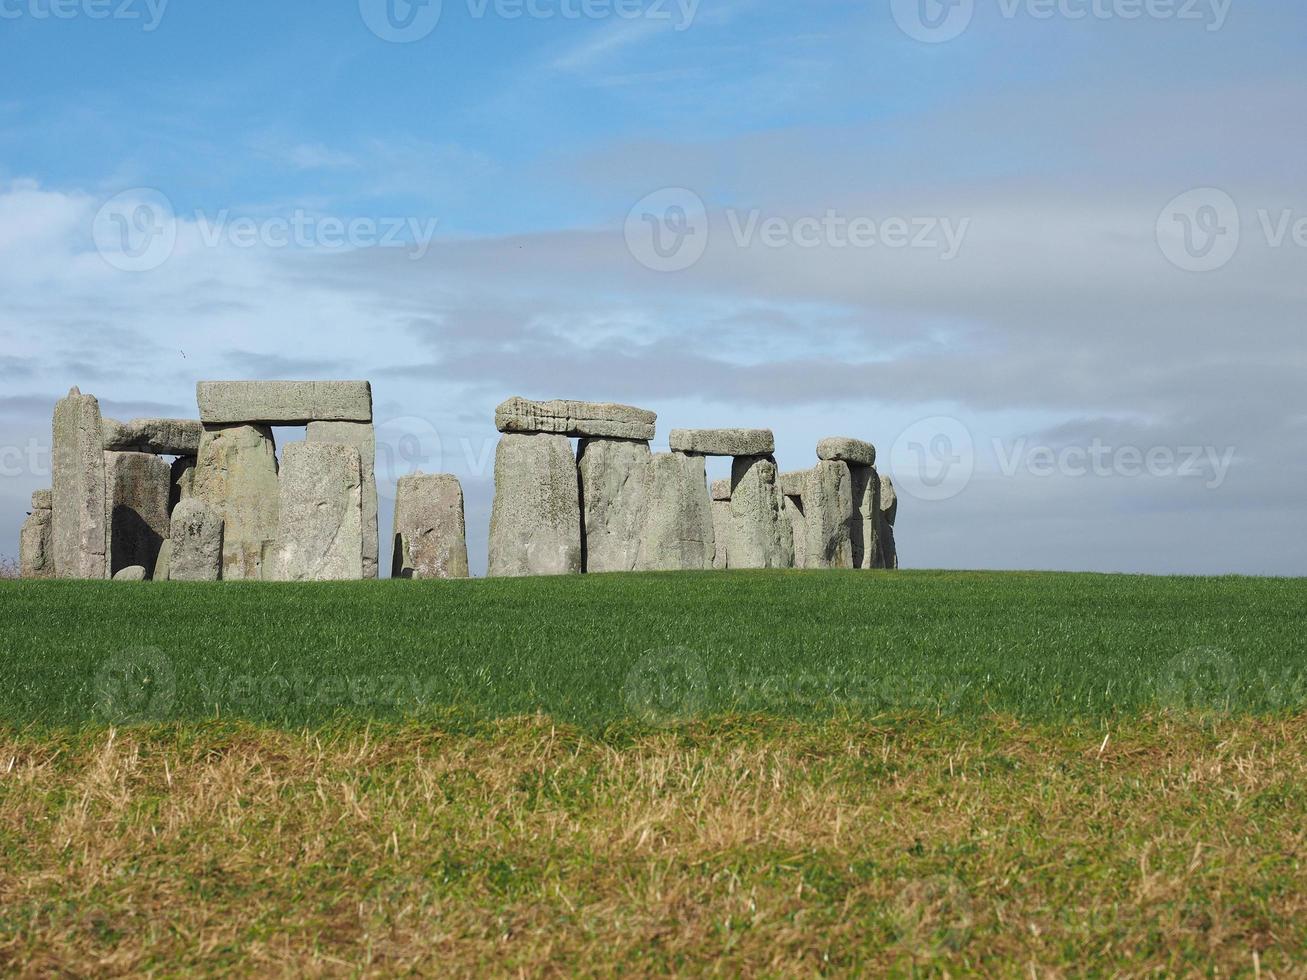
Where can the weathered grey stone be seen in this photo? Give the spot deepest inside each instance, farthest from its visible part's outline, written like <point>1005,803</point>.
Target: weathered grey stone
<point>183,481</point>
<point>721,529</point>
<point>678,526</point>
<point>236,475</point>
<point>284,402</point>
<point>36,545</point>
<point>320,536</point>
<point>78,529</point>
<point>576,419</point>
<point>196,540</point>
<point>136,515</point>
<point>889,500</point>
<point>163,564</point>
<point>828,507</point>
<point>889,509</point>
<point>42,500</point>
<point>865,526</point>
<point>793,482</point>
<point>535,521</point>
<point>132,573</point>
<point>721,490</point>
<point>889,550</point>
<point>430,531</point>
<point>165,437</point>
<point>852,451</point>
<point>362,437</point>
<point>615,476</point>
<point>760,535</point>
<point>723,442</point>
<point>798,528</point>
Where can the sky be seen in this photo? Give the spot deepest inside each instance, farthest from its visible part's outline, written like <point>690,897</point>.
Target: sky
<point>1050,256</point>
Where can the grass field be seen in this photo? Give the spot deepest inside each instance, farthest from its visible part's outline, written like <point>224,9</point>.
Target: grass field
<point>773,773</point>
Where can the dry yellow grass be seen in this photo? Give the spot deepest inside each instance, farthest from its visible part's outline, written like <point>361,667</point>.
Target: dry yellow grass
<point>735,847</point>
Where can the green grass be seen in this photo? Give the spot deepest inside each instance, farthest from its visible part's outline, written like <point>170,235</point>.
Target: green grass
<point>605,651</point>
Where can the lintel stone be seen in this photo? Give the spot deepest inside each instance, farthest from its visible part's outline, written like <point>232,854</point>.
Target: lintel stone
<point>844,450</point>
<point>576,419</point>
<point>283,402</point>
<point>723,442</point>
<point>163,437</point>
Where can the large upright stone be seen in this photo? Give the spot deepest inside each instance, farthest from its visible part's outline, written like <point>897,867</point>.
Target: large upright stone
<point>36,540</point>
<point>320,537</point>
<point>576,419</point>
<point>78,530</point>
<point>284,402</point>
<point>430,531</point>
<point>723,442</point>
<point>798,527</point>
<point>164,437</point>
<point>362,437</point>
<point>828,507</point>
<point>678,525</point>
<point>889,510</point>
<point>615,476</point>
<point>137,487</point>
<point>760,534</point>
<point>535,521</point>
<point>864,529</point>
<point>197,531</point>
<point>721,523</point>
<point>183,480</point>
<point>236,475</point>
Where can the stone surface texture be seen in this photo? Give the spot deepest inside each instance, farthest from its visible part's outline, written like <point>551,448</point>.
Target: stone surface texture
<point>615,475</point>
<point>723,442</point>
<point>236,475</point>
<point>196,540</point>
<point>137,486</point>
<point>852,451</point>
<point>889,512</point>
<point>166,437</point>
<point>183,480</point>
<point>793,482</point>
<point>430,531</point>
<point>42,500</point>
<point>721,489</point>
<point>721,529</point>
<point>535,521</point>
<point>828,507</point>
<point>163,564</point>
<point>865,526</point>
<point>132,573</point>
<point>36,545</point>
<point>79,534</point>
<point>283,402</point>
<point>798,527</point>
<point>320,536</point>
<point>678,526</point>
<point>362,436</point>
<point>760,535</point>
<point>576,419</point>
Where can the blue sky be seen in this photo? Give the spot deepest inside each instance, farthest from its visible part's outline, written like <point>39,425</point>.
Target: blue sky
<point>507,155</point>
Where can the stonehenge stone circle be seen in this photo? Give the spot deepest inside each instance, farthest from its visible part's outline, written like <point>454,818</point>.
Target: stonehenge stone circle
<point>575,419</point>
<point>430,534</point>
<point>164,437</point>
<point>535,521</point>
<point>283,402</point>
<point>236,475</point>
<point>196,542</point>
<point>320,532</point>
<point>132,573</point>
<point>855,452</point>
<point>615,476</point>
<point>137,487</point>
<point>77,515</point>
<point>723,442</point>
<point>678,526</point>
<point>36,539</point>
<point>760,535</point>
<point>362,437</point>
<point>828,507</point>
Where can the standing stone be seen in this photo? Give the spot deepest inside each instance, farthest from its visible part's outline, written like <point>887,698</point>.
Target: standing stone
<point>760,535</point>
<point>196,540</point>
<point>798,525</point>
<point>362,437</point>
<point>535,521</point>
<point>77,517</point>
<point>721,523</point>
<point>183,480</point>
<point>430,530</point>
<point>137,486</point>
<point>320,537</point>
<point>36,541</point>
<point>889,510</point>
<point>614,485</point>
<point>678,525</point>
<point>236,475</point>
<point>163,564</point>
<point>865,526</point>
<point>828,507</point>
